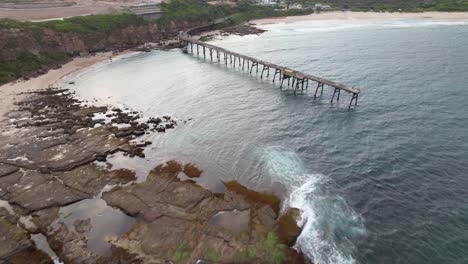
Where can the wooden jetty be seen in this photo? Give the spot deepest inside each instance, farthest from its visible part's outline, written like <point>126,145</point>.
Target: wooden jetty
<point>296,80</point>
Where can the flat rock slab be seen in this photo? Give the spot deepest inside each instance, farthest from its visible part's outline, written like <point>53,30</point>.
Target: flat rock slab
<point>33,190</point>
<point>235,221</point>
<point>61,152</point>
<point>6,169</point>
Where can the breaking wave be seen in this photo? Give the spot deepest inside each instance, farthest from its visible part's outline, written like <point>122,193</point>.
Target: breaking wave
<point>330,225</point>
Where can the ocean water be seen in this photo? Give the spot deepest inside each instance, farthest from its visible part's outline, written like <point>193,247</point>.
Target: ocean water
<point>385,182</point>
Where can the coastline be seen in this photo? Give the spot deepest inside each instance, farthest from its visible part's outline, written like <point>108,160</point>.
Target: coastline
<point>349,15</point>
<point>14,92</point>
<point>67,139</point>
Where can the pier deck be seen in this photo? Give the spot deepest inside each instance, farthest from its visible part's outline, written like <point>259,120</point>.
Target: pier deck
<point>295,79</point>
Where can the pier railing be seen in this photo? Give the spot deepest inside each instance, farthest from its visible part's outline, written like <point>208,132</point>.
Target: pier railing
<point>295,80</point>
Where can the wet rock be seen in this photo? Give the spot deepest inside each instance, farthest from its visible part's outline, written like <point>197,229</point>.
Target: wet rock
<point>74,144</point>
<point>44,218</point>
<point>287,227</point>
<point>6,169</point>
<point>180,218</point>
<point>62,152</point>
<point>259,197</point>
<point>138,132</point>
<point>160,129</point>
<point>101,157</point>
<point>33,190</point>
<point>143,144</point>
<point>192,171</point>
<point>121,133</point>
<point>243,29</point>
<point>267,217</point>
<point>75,251</point>
<point>52,193</point>
<point>27,255</point>
<point>155,121</point>
<point>82,226</point>
<point>13,239</point>
<point>235,220</point>
<point>90,179</point>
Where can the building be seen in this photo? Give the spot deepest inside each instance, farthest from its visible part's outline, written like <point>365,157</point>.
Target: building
<point>146,11</point>
<point>321,6</point>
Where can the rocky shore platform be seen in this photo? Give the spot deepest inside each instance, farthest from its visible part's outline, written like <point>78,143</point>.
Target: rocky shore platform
<point>242,30</point>
<point>58,193</point>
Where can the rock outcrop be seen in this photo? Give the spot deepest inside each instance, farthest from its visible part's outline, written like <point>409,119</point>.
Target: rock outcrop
<point>182,222</point>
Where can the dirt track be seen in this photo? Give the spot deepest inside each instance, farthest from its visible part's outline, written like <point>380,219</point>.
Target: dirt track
<point>51,9</point>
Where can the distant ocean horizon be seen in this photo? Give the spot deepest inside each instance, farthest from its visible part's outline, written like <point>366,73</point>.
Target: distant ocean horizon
<point>385,182</point>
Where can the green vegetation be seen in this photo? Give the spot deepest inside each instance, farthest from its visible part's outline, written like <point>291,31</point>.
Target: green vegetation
<point>183,252</point>
<point>258,12</point>
<point>192,11</point>
<point>212,255</point>
<point>28,62</point>
<point>200,11</point>
<point>274,247</point>
<point>249,255</point>
<point>95,24</point>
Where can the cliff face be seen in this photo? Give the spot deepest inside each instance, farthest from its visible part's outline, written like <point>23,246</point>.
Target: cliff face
<point>32,50</point>
<point>15,41</point>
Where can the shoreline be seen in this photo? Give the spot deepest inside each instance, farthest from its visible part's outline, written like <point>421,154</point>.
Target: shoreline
<point>14,92</point>
<point>350,15</point>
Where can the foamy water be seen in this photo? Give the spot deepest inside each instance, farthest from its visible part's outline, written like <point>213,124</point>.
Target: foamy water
<point>328,222</point>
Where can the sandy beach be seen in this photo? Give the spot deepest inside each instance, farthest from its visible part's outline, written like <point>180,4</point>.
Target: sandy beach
<point>348,15</point>
<point>11,91</point>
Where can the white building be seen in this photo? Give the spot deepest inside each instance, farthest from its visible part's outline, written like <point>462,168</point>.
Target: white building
<point>320,6</point>
<point>295,6</point>
<point>268,2</point>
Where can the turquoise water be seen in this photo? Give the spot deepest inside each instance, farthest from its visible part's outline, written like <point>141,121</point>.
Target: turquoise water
<point>386,182</point>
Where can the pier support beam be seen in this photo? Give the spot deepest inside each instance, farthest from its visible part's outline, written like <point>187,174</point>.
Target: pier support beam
<point>276,72</point>
<point>254,64</point>
<point>282,80</point>
<point>337,92</point>
<point>299,82</point>
<point>263,70</point>
<point>316,89</point>
<point>355,98</point>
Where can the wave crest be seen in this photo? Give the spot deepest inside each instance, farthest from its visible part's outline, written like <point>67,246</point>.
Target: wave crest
<point>330,224</point>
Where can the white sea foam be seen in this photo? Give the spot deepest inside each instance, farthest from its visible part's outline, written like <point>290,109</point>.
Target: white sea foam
<point>330,225</point>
